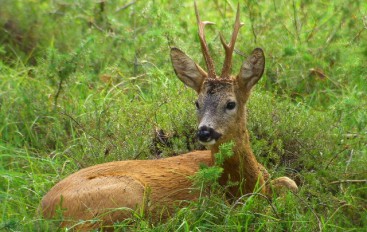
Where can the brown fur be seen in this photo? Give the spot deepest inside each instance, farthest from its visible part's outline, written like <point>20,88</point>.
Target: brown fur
<point>110,192</point>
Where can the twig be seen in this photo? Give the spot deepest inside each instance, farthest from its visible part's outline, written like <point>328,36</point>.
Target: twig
<point>82,127</point>
<point>348,181</point>
<point>296,20</point>
<point>340,207</point>
<point>238,52</point>
<point>349,160</point>
<point>289,32</point>
<point>58,93</point>
<point>96,26</point>
<point>275,6</point>
<point>364,21</point>
<point>336,155</point>
<point>125,6</point>
<point>312,210</point>
<point>331,36</point>
<point>312,33</point>
<point>252,21</point>
<point>169,40</point>
<point>356,36</point>
<point>351,135</point>
<point>237,202</point>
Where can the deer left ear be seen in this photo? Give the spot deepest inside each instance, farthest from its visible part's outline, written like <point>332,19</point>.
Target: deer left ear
<point>190,73</point>
<point>252,69</point>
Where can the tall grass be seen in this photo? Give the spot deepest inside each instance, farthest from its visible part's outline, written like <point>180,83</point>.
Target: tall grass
<point>84,82</point>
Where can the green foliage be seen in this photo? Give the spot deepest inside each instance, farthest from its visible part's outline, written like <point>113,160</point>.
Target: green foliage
<point>86,82</point>
<point>208,176</point>
<point>225,152</point>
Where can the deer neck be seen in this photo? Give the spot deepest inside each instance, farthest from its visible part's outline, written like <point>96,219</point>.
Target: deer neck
<point>241,170</point>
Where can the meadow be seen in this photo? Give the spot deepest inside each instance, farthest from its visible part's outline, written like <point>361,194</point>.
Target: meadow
<point>88,82</point>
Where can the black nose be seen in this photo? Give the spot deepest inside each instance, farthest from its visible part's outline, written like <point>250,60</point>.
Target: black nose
<point>205,134</point>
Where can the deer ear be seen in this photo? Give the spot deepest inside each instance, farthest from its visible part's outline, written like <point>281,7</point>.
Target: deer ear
<point>190,73</point>
<point>252,69</point>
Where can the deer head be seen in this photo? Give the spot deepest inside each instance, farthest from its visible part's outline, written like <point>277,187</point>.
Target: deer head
<point>221,99</point>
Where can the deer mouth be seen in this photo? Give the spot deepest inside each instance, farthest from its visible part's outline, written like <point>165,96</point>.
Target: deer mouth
<point>207,135</point>
<point>211,142</point>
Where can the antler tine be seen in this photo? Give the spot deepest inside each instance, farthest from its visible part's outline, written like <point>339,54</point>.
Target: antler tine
<point>204,47</point>
<point>227,65</point>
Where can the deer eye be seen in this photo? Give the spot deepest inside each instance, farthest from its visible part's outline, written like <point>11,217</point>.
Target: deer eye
<point>197,105</point>
<point>231,105</point>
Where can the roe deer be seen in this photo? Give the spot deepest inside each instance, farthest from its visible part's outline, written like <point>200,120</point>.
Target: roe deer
<point>106,191</point>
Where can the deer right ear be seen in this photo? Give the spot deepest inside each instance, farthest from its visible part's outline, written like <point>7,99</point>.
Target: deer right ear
<point>190,73</point>
<point>252,69</point>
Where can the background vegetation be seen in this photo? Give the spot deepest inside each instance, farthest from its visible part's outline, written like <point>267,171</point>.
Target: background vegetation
<point>86,82</point>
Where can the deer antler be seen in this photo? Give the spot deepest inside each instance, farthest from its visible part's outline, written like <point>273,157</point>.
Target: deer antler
<point>204,47</point>
<point>226,71</point>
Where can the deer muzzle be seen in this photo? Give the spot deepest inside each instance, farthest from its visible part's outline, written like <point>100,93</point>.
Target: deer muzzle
<point>207,135</point>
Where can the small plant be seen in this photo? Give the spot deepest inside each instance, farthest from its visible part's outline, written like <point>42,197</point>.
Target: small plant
<point>207,177</point>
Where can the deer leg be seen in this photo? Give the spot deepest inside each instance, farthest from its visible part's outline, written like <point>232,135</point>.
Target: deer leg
<point>283,184</point>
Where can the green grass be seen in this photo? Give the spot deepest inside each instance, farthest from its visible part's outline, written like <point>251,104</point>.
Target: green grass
<point>83,82</point>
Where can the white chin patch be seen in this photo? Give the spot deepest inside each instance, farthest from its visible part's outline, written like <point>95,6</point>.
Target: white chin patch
<point>208,143</point>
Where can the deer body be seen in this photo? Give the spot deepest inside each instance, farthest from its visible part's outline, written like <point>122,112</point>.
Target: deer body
<point>161,184</point>
<point>110,191</point>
